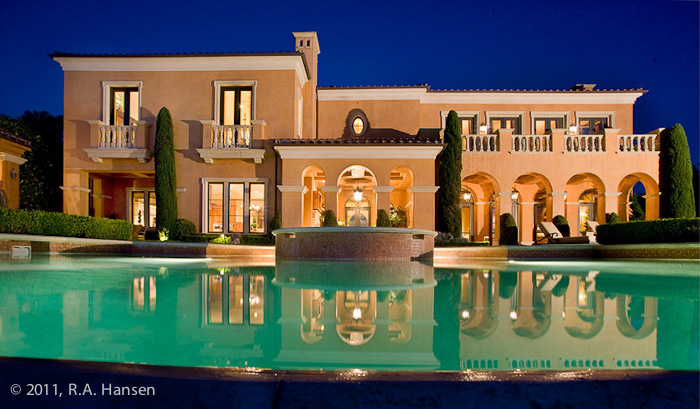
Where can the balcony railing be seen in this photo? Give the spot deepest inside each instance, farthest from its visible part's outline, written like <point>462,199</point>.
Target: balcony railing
<point>117,136</point>
<point>531,143</point>
<point>480,143</point>
<point>231,136</point>
<point>118,141</point>
<point>637,143</point>
<point>584,143</point>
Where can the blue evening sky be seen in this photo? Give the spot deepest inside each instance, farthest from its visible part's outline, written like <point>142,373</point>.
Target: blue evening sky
<point>447,44</point>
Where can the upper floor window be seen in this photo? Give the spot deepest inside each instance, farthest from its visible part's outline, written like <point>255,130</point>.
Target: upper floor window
<point>237,105</point>
<point>504,122</point>
<point>469,120</point>
<point>234,102</point>
<point>357,122</point>
<point>542,125</point>
<point>468,125</point>
<point>592,125</point>
<point>121,102</point>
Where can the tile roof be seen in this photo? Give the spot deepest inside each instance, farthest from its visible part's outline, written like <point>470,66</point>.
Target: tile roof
<point>199,54</point>
<point>429,89</point>
<point>14,138</point>
<point>360,141</point>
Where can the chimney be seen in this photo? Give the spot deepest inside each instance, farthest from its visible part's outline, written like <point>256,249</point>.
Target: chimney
<point>583,87</point>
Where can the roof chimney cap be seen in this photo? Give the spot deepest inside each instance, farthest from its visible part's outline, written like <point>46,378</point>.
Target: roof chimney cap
<point>583,87</point>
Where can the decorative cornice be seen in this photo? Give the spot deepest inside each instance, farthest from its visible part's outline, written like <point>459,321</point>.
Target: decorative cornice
<point>383,189</point>
<point>331,189</point>
<point>298,189</point>
<point>78,188</point>
<point>358,152</point>
<point>208,155</point>
<point>8,157</point>
<point>424,189</point>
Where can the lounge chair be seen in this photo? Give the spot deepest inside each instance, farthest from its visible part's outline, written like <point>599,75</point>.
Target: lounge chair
<point>591,227</point>
<point>554,236</point>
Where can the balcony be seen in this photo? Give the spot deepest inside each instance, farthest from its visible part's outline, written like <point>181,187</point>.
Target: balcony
<point>118,141</point>
<point>232,141</point>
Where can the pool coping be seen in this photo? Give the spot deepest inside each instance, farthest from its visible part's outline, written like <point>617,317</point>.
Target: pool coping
<point>81,246</point>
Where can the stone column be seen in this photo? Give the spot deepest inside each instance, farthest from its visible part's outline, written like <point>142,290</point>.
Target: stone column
<point>75,192</point>
<point>424,206</point>
<point>331,197</point>
<point>95,132</point>
<point>527,223</point>
<point>558,205</point>
<point>503,205</point>
<point>610,140</point>
<point>653,203</point>
<point>558,140</point>
<point>611,204</point>
<point>291,204</point>
<point>572,217</point>
<point>505,139</point>
<point>383,197</point>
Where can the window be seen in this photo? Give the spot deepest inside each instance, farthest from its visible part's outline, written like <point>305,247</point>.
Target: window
<point>233,299</point>
<point>592,125</point>
<point>496,123</point>
<point>542,125</point>
<point>468,125</point>
<point>468,119</point>
<point>142,207</point>
<point>358,125</point>
<point>121,102</point>
<point>237,105</point>
<point>357,213</point>
<point>234,206</point>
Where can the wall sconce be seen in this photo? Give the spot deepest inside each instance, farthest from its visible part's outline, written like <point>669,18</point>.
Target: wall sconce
<point>572,129</point>
<point>514,195</point>
<point>357,194</point>
<point>483,129</point>
<point>467,196</point>
<point>565,195</point>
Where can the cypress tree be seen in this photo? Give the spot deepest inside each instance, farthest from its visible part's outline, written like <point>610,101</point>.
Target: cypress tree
<point>166,184</point>
<point>449,212</point>
<point>676,175</point>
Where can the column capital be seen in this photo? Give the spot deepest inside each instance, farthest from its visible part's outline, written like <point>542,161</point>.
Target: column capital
<point>330,189</point>
<point>292,189</point>
<point>610,194</point>
<point>424,189</point>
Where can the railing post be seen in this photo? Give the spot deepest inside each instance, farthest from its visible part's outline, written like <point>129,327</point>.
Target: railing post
<point>143,137</point>
<point>207,135</point>
<point>611,141</point>
<point>558,140</point>
<point>95,133</point>
<point>258,133</point>
<point>505,138</point>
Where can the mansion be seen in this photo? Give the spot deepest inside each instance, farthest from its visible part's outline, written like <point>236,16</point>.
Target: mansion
<point>255,136</point>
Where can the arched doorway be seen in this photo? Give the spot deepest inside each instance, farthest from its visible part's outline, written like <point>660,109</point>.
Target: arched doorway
<point>646,189</point>
<point>479,205</point>
<point>313,179</point>
<point>531,201</point>
<point>357,196</point>
<point>585,193</point>
<point>401,197</point>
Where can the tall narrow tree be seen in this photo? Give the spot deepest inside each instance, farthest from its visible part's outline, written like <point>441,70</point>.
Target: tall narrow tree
<point>166,184</point>
<point>676,175</point>
<point>449,212</point>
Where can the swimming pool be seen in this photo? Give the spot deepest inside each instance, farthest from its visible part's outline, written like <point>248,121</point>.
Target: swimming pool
<point>407,316</point>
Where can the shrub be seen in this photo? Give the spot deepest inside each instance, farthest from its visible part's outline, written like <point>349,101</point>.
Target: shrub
<point>181,229</point>
<point>328,219</point>
<point>275,223</point>
<point>447,240</point>
<point>221,239</point>
<point>257,240</point>
<point>383,218</point>
<point>676,175</point>
<point>60,224</point>
<point>651,231</point>
<point>509,230</point>
<point>449,211</point>
<point>562,224</point>
<point>612,218</point>
<point>166,184</point>
<point>398,217</point>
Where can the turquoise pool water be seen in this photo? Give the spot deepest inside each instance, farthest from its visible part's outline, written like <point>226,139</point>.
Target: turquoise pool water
<point>368,316</point>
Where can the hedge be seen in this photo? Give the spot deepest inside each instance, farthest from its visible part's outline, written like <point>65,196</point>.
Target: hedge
<point>60,224</point>
<point>652,231</point>
<point>509,230</point>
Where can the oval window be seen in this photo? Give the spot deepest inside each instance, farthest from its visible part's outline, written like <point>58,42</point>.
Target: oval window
<point>358,125</point>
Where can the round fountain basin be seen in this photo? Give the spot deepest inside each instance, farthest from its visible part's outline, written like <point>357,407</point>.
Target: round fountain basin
<point>354,243</point>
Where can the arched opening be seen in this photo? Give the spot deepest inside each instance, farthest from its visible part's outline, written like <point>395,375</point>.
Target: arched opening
<point>637,315</point>
<point>401,197</point>
<point>531,203</point>
<point>356,312</point>
<point>312,307</point>
<point>313,203</point>
<point>357,195</point>
<point>585,201</point>
<point>478,304</point>
<point>639,198</point>
<point>531,306</point>
<point>583,308</point>
<point>479,206</point>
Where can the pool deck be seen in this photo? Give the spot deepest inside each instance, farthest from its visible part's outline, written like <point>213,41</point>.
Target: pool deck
<point>442,255</point>
<point>211,387</point>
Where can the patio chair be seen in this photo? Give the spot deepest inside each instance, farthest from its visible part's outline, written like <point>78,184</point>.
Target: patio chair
<point>591,231</point>
<point>554,236</point>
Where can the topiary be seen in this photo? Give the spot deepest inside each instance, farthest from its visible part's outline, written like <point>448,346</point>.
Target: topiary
<point>676,175</point>
<point>509,230</point>
<point>165,182</point>
<point>383,218</point>
<point>181,229</point>
<point>612,218</point>
<point>449,212</point>
<point>562,224</point>
<point>328,219</point>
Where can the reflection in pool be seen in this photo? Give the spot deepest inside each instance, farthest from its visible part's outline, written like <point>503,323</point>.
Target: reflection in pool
<point>336,315</point>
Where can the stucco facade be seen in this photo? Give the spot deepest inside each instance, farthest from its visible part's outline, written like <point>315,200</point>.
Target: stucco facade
<point>255,136</point>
